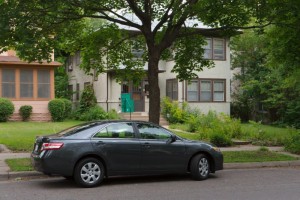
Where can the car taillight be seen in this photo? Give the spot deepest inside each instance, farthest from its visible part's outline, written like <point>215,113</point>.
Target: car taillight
<point>52,146</point>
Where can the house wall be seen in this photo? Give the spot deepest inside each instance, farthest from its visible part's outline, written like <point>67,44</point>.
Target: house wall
<point>106,81</point>
<point>9,60</point>
<point>220,71</point>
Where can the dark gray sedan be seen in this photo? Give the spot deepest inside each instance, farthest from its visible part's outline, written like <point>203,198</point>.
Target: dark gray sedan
<point>91,151</point>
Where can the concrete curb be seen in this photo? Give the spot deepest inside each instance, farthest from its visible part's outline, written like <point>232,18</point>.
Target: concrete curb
<point>21,175</point>
<point>293,163</point>
<point>34,174</point>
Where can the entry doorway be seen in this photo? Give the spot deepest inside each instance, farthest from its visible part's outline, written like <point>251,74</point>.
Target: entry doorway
<point>137,93</point>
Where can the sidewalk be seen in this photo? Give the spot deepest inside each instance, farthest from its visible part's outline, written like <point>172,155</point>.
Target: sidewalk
<point>5,173</point>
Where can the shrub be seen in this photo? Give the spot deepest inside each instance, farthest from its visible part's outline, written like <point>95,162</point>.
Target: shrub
<point>94,113</point>
<point>112,114</point>
<point>57,109</point>
<point>88,99</point>
<point>292,144</point>
<point>220,140</point>
<point>173,112</point>
<point>25,111</point>
<point>6,109</point>
<point>68,107</point>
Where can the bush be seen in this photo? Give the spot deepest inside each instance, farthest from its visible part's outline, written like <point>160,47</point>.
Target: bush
<point>68,108</point>
<point>25,111</point>
<point>94,113</point>
<point>220,140</point>
<point>173,112</point>
<point>112,114</point>
<point>292,144</point>
<point>6,109</point>
<point>57,109</point>
<point>88,99</point>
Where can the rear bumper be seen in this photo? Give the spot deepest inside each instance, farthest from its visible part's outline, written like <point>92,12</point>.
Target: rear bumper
<point>51,165</point>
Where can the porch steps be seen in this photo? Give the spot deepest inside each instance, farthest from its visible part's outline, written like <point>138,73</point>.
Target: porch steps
<point>143,116</point>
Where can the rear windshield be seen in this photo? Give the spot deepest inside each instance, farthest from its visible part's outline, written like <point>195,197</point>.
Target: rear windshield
<point>76,129</point>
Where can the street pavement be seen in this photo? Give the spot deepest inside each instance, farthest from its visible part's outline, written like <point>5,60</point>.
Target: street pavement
<point>6,174</point>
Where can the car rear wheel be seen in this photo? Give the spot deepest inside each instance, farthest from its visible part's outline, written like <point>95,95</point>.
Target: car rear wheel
<point>89,172</point>
<point>200,167</point>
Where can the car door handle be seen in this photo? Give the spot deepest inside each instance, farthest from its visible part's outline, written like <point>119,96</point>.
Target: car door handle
<point>146,145</point>
<point>100,143</point>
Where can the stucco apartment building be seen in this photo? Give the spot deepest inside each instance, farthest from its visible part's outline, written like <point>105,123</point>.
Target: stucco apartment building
<point>210,91</point>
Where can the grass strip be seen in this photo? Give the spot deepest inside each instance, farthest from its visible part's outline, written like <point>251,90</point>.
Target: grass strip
<point>254,156</point>
<point>19,164</point>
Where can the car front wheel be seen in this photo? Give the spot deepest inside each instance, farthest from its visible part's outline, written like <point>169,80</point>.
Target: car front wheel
<point>200,167</point>
<point>89,172</point>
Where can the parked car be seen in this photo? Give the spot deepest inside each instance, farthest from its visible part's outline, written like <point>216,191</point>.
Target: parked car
<point>91,151</point>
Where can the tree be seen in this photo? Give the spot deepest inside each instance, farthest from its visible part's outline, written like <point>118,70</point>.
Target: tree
<point>270,68</point>
<point>35,27</point>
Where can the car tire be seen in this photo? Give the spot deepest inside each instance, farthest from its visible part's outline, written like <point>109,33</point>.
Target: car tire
<point>200,167</point>
<point>89,172</point>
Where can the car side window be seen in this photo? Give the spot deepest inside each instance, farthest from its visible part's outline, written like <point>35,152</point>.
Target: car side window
<point>117,130</point>
<point>149,131</point>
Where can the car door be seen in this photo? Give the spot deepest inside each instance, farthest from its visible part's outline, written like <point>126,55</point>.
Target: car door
<point>159,153</point>
<point>117,142</point>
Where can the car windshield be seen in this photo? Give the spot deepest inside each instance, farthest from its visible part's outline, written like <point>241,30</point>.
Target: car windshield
<point>75,129</point>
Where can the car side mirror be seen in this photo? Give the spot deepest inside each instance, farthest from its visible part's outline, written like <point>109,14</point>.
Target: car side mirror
<point>172,139</point>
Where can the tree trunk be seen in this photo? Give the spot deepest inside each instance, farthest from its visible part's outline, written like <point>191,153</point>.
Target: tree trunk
<point>154,91</point>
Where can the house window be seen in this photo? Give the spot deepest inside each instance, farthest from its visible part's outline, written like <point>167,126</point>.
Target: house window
<point>205,90</point>
<point>43,83</point>
<point>172,89</point>
<point>8,83</point>
<point>214,49</point>
<point>193,91</point>
<point>86,84</point>
<point>77,91</point>
<point>219,49</point>
<point>70,91</point>
<point>26,83</point>
<point>219,90</point>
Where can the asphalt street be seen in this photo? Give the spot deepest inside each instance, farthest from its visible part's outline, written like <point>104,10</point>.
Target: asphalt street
<point>262,184</point>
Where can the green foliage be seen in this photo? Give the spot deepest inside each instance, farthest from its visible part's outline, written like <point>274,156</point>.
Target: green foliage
<point>61,83</point>
<point>6,109</point>
<point>25,112</point>
<point>172,111</point>
<point>88,99</point>
<point>220,140</point>
<point>68,107</point>
<point>292,144</point>
<point>57,109</point>
<point>93,113</point>
<point>113,114</point>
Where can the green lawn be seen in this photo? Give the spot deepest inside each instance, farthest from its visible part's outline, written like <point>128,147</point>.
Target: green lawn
<point>259,134</point>
<point>254,156</point>
<point>20,136</point>
<point>19,164</point>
